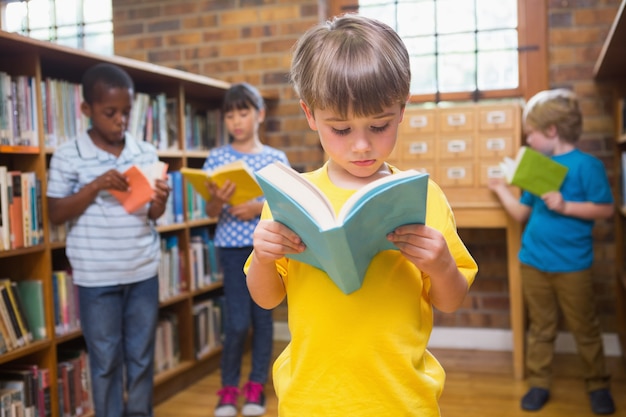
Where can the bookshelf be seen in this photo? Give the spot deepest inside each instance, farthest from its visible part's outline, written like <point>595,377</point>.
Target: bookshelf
<point>21,56</point>
<point>610,69</point>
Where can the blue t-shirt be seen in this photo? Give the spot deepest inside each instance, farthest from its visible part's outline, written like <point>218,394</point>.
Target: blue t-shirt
<point>232,232</point>
<point>552,242</point>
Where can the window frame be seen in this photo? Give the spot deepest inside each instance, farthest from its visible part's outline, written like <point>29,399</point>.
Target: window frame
<point>532,53</point>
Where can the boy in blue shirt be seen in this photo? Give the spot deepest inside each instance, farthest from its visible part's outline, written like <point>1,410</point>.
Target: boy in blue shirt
<point>557,248</point>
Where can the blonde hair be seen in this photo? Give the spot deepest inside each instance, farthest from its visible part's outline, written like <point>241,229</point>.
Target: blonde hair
<point>558,108</point>
<point>351,63</point>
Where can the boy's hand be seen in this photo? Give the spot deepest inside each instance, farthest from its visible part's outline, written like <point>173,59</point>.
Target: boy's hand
<point>161,192</point>
<point>111,180</point>
<point>273,240</point>
<point>554,201</point>
<point>424,246</point>
<point>496,183</point>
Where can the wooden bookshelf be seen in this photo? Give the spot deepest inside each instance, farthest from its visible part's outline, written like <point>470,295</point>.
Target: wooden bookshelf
<point>610,69</point>
<point>25,56</point>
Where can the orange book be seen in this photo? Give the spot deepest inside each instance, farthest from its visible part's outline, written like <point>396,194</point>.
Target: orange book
<point>141,185</point>
<point>16,215</point>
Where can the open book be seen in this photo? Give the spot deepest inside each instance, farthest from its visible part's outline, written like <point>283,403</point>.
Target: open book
<point>238,172</point>
<point>344,245</point>
<point>141,181</point>
<point>533,171</point>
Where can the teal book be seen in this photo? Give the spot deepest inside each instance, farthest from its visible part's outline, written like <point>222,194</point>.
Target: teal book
<point>533,171</point>
<point>343,245</point>
<point>31,293</point>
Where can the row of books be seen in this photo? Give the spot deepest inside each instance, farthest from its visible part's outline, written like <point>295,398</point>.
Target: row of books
<point>208,325</point>
<point>74,383</point>
<point>167,342</point>
<point>18,110</point>
<point>154,119</point>
<point>204,129</point>
<point>204,269</point>
<point>25,389</point>
<point>21,212</point>
<point>65,300</point>
<point>22,317</point>
<point>63,119</point>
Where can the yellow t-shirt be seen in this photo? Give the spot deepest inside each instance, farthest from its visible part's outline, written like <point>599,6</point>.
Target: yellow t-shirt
<point>363,354</point>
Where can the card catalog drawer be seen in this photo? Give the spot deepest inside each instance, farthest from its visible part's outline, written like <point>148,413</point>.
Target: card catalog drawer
<point>456,120</point>
<point>455,147</point>
<point>417,150</point>
<point>498,117</point>
<point>496,145</point>
<point>489,169</point>
<point>417,121</point>
<point>455,174</point>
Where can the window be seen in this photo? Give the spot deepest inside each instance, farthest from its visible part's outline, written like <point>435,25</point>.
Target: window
<point>466,49</point>
<point>454,45</point>
<point>83,24</point>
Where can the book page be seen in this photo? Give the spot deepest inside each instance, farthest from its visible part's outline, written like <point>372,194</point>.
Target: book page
<point>302,191</point>
<point>371,189</point>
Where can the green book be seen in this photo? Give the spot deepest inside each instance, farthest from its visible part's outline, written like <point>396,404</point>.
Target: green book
<point>344,245</point>
<point>533,171</point>
<point>31,293</point>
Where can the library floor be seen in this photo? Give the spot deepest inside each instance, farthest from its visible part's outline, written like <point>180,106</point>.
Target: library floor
<point>479,384</point>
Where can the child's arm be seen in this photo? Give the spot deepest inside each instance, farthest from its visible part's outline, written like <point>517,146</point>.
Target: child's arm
<point>272,241</point>
<point>511,203</point>
<point>580,209</point>
<point>427,249</point>
<point>61,210</point>
<point>157,205</point>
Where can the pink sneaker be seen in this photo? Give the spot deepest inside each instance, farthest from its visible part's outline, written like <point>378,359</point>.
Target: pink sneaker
<point>255,400</point>
<point>227,406</point>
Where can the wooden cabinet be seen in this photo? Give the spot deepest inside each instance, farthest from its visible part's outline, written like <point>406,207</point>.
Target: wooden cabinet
<point>611,69</point>
<point>21,56</point>
<point>461,147</point>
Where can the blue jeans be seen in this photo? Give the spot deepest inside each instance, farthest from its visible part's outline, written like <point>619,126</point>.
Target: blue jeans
<point>119,325</point>
<point>241,312</point>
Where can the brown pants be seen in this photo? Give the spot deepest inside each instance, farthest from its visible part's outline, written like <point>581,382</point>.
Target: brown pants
<point>572,292</point>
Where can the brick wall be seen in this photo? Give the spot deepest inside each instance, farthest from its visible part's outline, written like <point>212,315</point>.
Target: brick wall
<point>250,40</point>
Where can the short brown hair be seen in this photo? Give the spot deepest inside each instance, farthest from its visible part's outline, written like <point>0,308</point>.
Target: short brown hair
<point>558,108</point>
<point>351,63</point>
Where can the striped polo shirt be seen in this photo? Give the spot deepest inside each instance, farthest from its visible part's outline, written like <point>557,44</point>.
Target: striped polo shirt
<point>105,245</point>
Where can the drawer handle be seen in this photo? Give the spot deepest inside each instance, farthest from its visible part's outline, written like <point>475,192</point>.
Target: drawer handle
<point>456,119</point>
<point>495,172</point>
<point>418,121</point>
<point>456,173</point>
<point>496,144</point>
<point>496,117</point>
<point>418,147</point>
<point>456,146</point>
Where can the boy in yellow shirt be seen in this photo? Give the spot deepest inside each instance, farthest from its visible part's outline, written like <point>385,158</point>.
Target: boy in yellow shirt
<point>362,354</point>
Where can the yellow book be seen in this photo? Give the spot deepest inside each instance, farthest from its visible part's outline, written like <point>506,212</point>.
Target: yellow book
<point>247,188</point>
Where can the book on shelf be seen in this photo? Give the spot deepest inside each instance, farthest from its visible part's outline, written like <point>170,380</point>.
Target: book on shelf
<point>5,229</point>
<point>29,374</point>
<point>141,183</point>
<point>343,245</point>
<point>8,324</point>
<point>31,293</point>
<point>16,216</point>
<point>534,172</point>
<point>238,172</point>
<point>16,308</point>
